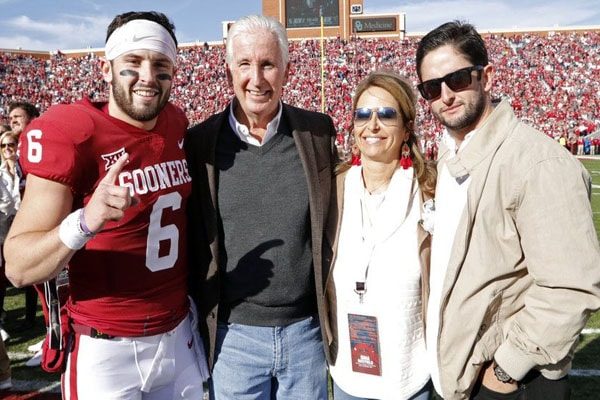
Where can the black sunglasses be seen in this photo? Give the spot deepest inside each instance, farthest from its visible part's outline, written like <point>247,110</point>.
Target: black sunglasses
<point>456,80</point>
<point>387,115</point>
<point>11,145</point>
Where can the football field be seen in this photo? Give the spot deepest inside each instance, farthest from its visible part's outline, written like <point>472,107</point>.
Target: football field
<point>585,376</point>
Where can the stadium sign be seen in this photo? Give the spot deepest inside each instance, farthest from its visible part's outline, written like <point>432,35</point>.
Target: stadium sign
<point>356,9</point>
<point>378,24</point>
<point>307,13</point>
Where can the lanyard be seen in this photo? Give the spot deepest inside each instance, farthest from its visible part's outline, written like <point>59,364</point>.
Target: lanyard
<point>369,217</point>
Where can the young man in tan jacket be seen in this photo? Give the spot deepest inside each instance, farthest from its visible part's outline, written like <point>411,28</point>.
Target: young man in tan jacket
<point>515,267</point>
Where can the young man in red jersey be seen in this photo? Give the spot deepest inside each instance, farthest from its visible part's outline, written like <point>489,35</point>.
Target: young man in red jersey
<point>106,193</point>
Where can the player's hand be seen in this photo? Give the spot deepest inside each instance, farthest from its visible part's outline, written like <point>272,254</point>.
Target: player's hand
<point>109,201</point>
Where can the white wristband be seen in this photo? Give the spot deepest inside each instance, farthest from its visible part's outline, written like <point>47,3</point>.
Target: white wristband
<point>70,231</point>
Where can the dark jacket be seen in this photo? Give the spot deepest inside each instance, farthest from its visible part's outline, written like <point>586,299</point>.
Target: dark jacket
<point>314,136</point>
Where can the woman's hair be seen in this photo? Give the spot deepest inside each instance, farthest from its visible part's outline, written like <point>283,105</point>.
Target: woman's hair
<point>8,134</point>
<point>402,92</point>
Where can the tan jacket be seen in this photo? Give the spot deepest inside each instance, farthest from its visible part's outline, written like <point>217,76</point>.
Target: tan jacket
<point>524,272</point>
<point>332,233</point>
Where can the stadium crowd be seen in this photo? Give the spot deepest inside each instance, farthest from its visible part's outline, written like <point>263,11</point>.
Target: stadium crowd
<point>552,80</point>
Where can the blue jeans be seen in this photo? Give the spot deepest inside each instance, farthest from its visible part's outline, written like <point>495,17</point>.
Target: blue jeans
<point>423,394</point>
<point>266,363</point>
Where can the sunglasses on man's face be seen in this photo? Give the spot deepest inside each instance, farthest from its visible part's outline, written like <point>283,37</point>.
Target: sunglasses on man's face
<point>11,145</point>
<point>457,80</point>
<point>386,115</point>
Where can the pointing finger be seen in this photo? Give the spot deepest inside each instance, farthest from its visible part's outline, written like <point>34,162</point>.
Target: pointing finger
<point>115,169</point>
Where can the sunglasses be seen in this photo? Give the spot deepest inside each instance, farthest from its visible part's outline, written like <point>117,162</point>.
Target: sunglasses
<point>456,80</point>
<point>11,145</point>
<point>386,115</point>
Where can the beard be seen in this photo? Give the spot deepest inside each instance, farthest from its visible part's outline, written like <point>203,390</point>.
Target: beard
<point>124,100</point>
<point>472,113</point>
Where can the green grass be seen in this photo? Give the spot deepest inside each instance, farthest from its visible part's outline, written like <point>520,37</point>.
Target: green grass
<point>14,304</point>
<point>584,388</point>
<point>594,321</point>
<point>588,351</point>
<point>593,166</point>
<point>587,354</point>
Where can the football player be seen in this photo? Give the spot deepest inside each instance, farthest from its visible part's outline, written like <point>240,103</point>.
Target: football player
<point>106,193</point>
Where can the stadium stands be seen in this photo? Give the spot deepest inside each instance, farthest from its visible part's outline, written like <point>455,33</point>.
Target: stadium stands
<point>553,80</point>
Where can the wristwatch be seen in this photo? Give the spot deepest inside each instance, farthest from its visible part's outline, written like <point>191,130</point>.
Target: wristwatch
<point>501,375</point>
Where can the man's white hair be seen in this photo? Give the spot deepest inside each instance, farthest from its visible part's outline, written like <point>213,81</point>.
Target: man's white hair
<point>258,23</point>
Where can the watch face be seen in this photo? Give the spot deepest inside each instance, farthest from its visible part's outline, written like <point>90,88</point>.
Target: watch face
<point>501,374</point>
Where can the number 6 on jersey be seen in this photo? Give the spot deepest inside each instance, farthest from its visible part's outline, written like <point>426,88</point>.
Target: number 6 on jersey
<point>158,233</point>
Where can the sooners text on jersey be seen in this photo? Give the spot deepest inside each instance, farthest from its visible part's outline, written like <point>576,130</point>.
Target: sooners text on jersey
<point>131,278</point>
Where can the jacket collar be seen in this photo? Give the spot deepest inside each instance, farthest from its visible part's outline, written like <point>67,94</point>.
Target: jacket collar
<point>486,141</point>
<point>476,161</point>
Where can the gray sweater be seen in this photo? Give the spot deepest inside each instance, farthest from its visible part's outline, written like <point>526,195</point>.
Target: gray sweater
<point>266,258</point>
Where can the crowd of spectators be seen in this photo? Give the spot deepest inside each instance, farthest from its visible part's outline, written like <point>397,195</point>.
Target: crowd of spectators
<point>552,80</point>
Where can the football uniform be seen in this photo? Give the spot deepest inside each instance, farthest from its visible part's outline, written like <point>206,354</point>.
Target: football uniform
<point>130,280</point>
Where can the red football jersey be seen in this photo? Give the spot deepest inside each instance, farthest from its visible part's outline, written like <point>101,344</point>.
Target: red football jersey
<point>131,278</point>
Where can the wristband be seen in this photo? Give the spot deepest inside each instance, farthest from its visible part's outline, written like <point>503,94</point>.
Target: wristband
<point>84,228</point>
<point>71,233</point>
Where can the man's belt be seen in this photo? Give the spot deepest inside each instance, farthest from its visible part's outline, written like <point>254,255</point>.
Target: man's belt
<point>89,331</point>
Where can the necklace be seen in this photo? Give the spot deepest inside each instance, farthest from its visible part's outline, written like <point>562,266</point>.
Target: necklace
<point>370,205</point>
<point>377,189</point>
<point>381,188</point>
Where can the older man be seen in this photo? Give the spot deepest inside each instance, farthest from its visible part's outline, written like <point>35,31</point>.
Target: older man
<point>515,262</point>
<point>261,182</point>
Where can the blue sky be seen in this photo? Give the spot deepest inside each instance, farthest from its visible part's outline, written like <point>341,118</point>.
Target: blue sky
<point>75,24</point>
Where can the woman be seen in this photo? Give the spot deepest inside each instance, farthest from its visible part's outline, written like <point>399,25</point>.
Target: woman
<point>9,200</point>
<point>10,197</point>
<point>9,179</point>
<point>379,270</point>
